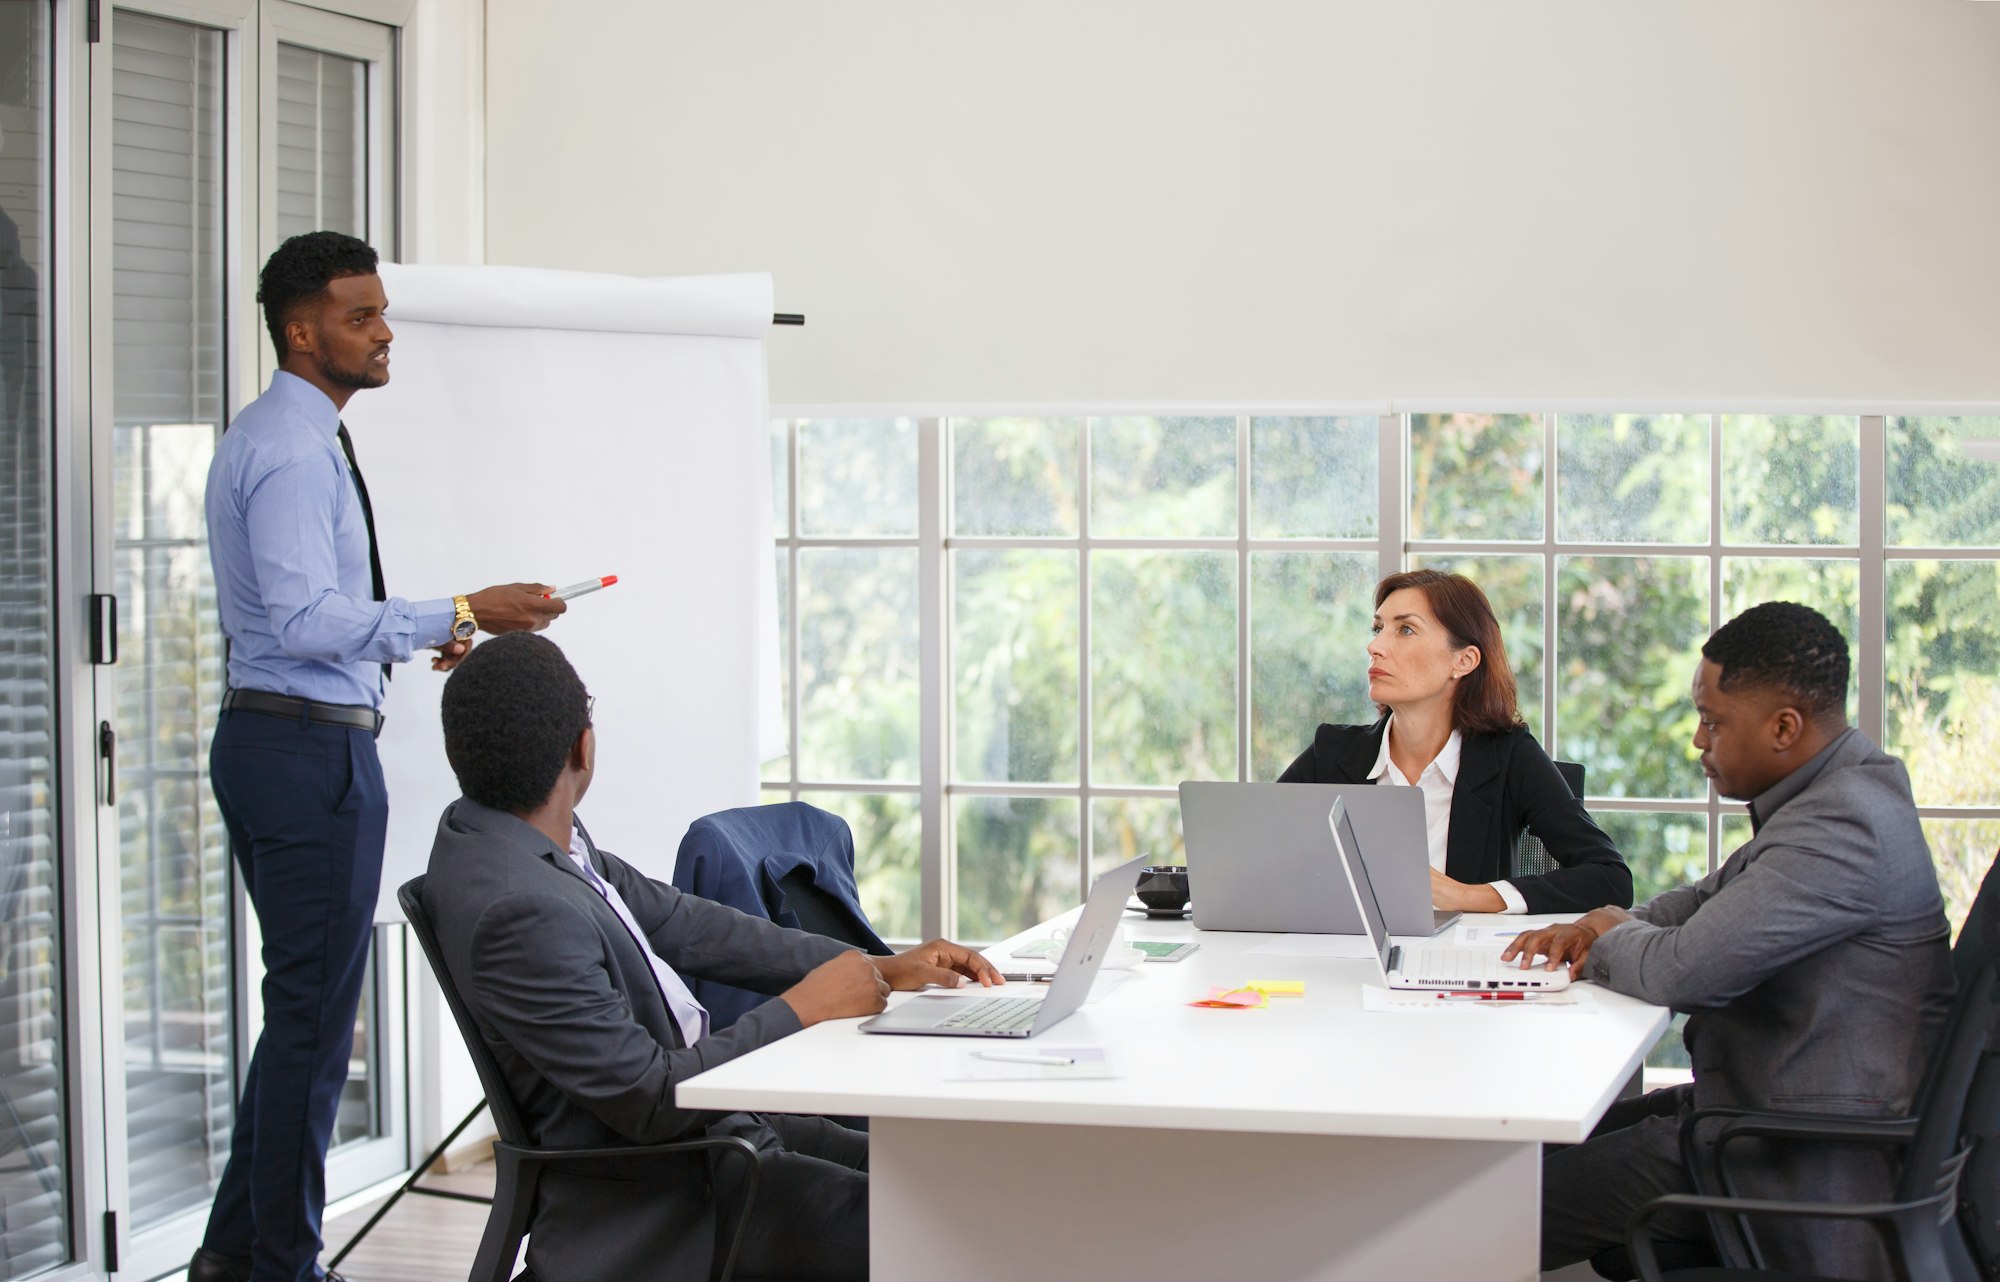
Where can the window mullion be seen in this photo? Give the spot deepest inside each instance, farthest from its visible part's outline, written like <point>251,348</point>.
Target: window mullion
<point>1083,673</point>
<point>1714,608</point>
<point>1392,471</point>
<point>1873,498</point>
<point>936,879</point>
<point>1550,660</point>
<point>1243,603</point>
<point>792,628</point>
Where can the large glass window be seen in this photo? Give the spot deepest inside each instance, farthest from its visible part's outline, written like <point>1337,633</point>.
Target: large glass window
<point>168,281</point>
<point>1133,600</point>
<point>1942,661</point>
<point>1129,601</point>
<point>34,1155</point>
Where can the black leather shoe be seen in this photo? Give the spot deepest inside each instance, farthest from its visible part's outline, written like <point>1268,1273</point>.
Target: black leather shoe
<point>209,1266</point>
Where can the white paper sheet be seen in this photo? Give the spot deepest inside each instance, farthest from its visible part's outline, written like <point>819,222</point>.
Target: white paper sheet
<point>968,1064</point>
<point>1482,933</point>
<point>1379,1000</point>
<point>540,298</point>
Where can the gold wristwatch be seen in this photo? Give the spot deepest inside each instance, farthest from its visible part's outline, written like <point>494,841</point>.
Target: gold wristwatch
<point>464,625</point>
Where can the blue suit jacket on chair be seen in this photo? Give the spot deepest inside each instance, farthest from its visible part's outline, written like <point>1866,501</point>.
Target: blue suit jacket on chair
<point>739,857</point>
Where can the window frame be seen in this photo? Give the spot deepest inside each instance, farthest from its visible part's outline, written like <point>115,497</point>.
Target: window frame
<point>369,40</point>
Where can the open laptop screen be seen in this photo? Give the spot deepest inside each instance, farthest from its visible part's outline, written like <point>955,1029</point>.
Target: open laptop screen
<point>1349,848</point>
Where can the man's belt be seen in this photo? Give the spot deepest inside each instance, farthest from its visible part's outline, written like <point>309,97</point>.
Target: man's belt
<point>284,705</point>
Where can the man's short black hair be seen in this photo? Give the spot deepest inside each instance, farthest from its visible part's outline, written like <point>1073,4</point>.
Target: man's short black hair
<point>1786,647</point>
<point>512,710</point>
<point>298,273</point>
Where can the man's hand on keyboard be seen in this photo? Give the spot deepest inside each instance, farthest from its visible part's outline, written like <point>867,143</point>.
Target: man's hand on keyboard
<point>842,988</point>
<point>938,962</point>
<point>1565,944</point>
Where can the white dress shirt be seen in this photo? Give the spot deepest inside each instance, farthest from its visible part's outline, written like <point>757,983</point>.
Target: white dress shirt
<point>689,1013</point>
<point>1437,780</point>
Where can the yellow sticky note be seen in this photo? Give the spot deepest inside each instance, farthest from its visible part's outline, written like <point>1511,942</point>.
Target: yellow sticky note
<point>1279,987</point>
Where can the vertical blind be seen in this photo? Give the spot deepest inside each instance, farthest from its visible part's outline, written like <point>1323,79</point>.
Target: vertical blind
<point>33,1157</point>
<point>322,142</point>
<point>168,133</point>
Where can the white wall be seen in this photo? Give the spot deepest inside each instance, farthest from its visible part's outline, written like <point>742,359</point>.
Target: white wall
<point>444,165</point>
<point>1290,199</point>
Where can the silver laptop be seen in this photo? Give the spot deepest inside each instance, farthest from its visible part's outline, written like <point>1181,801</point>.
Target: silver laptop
<point>1258,857</point>
<point>1430,966</point>
<point>943,1015</point>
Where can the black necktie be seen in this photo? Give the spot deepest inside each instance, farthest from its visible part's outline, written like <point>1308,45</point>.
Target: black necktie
<point>368,519</point>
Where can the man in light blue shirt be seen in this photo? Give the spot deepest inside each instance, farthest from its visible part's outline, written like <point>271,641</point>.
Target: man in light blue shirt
<point>311,634</point>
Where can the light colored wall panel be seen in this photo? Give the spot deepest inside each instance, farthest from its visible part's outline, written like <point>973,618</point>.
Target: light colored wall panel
<point>1297,199</point>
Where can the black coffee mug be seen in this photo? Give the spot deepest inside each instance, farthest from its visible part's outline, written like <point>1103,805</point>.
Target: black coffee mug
<point>1163,889</point>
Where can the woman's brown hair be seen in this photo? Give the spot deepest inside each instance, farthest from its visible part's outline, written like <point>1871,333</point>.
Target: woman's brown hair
<point>1485,699</point>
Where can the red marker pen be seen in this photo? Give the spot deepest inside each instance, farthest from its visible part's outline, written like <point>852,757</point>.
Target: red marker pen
<point>1481,996</point>
<point>580,589</point>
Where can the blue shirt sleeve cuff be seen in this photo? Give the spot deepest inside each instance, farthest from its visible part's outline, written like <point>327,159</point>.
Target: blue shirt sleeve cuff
<point>432,622</point>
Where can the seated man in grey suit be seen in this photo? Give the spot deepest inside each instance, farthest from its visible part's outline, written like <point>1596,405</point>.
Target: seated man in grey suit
<point>572,962</point>
<point>1814,964</point>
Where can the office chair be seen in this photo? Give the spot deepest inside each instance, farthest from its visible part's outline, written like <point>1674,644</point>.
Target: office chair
<point>1531,857</point>
<point>1938,1225</point>
<point>790,863</point>
<point>519,1164</point>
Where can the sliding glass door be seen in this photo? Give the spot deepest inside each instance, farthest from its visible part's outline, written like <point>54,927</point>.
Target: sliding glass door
<point>173,1043</point>
<point>35,1167</point>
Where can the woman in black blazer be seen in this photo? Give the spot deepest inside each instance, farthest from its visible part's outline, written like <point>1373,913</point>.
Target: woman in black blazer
<point>1438,673</point>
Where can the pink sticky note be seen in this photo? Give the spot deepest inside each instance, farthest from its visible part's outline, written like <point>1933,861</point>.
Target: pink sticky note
<point>1231,999</point>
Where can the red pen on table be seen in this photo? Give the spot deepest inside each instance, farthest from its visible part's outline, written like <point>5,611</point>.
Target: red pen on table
<point>1480,996</point>
<point>580,589</point>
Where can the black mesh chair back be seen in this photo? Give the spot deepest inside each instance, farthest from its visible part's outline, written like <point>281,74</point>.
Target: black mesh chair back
<point>518,1163</point>
<point>1531,857</point>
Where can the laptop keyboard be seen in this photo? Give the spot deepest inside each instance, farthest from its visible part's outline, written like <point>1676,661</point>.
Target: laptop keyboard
<point>1476,964</point>
<point>995,1015</point>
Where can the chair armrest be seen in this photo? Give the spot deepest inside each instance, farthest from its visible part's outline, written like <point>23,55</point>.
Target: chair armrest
<point>1709,1169</point>
<point>583,1160</point>
<point>1640,1243</point>
<point>1710,1177</point>
<point>1802,1125</point>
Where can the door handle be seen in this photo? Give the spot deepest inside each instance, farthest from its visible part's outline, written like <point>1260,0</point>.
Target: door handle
<point>107,747</point>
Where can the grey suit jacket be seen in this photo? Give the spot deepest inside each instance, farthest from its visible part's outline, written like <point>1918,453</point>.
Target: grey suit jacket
<point>1815,966</point>
<point>568,1004</point>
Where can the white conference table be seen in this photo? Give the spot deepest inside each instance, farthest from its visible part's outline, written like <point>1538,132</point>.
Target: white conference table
<point>1307,1140</point>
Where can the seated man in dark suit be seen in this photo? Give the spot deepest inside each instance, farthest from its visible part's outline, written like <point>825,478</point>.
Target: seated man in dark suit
<point>572,962</point>
<point>1815,962</point>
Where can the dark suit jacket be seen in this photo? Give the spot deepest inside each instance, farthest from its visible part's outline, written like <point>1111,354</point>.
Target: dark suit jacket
<point>1505,783</point>
<point>1816,963</point>
<point>568,1004</point>
<point>739,857</point>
